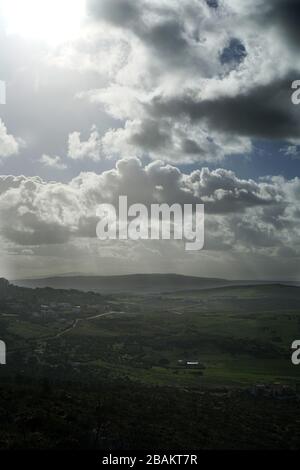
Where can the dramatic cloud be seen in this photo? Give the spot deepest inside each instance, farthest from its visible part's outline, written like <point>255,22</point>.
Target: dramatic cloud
<point>182,80</point>
<point>265,111</point>
<point>172,82</point>
<point>35,213</point>
<point>186,88</point>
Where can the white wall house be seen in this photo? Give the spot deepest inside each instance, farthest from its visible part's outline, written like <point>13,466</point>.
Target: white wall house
<point>2,353</point>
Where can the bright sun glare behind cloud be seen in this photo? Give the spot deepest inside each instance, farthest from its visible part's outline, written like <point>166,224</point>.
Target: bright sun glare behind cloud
<point>53,21</point>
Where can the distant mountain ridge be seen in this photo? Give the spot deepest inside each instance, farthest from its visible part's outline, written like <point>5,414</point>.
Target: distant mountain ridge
<point>132,283</point>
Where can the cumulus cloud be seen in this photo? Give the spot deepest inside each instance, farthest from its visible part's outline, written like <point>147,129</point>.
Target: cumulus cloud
<point>172,141</point>
<point>186,88</point>
<point>53,162</point>
<point>89,149</point>
<point>163,46</point>
<point>9,145</point>
<point>34,212</point>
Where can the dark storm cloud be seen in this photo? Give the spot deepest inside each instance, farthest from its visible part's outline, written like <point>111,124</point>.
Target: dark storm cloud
<point>189,146</point>
<point>150,136</point>
<point>212,3</point>
<point>118,12</point>
<point>166,37</point>
<point>286,15</point>
<point>265,111</point>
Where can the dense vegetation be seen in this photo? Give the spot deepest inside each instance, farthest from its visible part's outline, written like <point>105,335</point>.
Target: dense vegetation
<point>123,415</point>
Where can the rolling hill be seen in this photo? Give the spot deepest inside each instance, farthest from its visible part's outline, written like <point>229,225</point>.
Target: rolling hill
<point>135,283</point>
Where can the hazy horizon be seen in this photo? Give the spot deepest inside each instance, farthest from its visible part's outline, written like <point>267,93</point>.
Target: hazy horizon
<point>87,275</point>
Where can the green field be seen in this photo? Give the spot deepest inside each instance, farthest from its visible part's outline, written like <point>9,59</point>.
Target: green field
<point>239,336</point>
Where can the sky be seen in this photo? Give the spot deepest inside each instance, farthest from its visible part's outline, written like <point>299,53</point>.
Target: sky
<point>176,101</point>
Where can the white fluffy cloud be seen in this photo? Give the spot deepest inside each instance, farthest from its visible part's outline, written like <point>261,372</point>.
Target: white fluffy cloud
<point>53,162</point>
<point>251,226</point>
<point>251,214</point>
<point>89,149</point>
<point>9,145</point>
